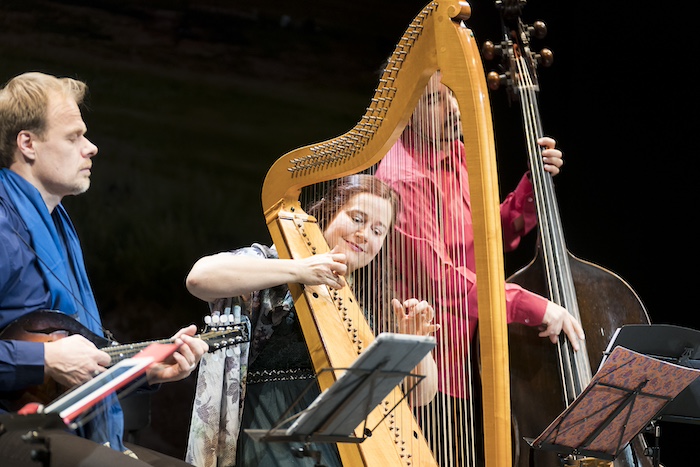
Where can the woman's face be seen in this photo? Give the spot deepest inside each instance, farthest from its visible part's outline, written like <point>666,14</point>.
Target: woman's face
<point>359,229</point>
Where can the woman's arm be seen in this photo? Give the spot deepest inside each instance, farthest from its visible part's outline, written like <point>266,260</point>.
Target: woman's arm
<point>228,275</point>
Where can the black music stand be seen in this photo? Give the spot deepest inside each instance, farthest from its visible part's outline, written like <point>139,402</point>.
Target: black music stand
<point>628,392</point>
<point>63,412</point>
<point>335,414</point>
<point>673,344</point>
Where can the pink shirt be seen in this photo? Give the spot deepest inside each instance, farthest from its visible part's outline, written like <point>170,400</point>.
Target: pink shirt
<point>434,248</point>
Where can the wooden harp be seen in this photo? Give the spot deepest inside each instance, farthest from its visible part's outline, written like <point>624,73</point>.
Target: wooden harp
<point>335,332</point>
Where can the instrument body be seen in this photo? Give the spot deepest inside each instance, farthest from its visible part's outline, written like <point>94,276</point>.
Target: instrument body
<point>599,299</point>
<point>51,325</point>
<point>606,302</point>
<point>334,327</point>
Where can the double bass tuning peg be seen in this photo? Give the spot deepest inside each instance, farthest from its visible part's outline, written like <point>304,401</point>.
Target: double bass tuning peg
<point>490,50</point>
<point>495,80</point>
<point>545,57</point>
<point>538,30</point>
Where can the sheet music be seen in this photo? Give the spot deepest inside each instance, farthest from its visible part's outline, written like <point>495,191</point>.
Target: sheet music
<point>628,391</point>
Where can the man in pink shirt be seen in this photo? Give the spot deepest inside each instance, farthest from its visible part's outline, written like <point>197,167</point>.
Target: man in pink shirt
<point>433,242</point>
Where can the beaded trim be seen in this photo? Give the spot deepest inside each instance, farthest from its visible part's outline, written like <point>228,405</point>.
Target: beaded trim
<point>266,376</point>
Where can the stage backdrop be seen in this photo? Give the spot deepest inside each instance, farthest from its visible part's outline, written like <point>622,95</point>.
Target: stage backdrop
<point>192,101</point>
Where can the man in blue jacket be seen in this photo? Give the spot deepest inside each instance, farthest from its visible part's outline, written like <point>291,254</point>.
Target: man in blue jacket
<point>45,156</point>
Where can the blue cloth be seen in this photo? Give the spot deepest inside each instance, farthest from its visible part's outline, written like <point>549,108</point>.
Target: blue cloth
<point>51,263</point>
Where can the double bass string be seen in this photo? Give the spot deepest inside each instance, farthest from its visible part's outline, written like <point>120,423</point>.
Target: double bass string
<point>532,128</point>
<point>574,366</point>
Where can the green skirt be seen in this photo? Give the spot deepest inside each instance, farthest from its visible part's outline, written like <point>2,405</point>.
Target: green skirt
<point>265,404</point>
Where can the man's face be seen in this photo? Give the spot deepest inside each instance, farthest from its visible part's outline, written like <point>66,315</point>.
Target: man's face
<point>436,118</point>
<point>64,155</point>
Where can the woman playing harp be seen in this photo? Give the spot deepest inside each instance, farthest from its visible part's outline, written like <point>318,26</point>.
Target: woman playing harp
<point>356,215</point>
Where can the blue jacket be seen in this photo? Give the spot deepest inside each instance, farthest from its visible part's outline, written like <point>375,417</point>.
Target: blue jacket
<point>24,289</point>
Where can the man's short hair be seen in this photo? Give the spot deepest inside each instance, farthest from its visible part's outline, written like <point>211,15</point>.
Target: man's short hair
<point>24,101</point>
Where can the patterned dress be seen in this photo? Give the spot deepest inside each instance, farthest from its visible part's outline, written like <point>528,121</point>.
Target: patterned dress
<point>255,385</point>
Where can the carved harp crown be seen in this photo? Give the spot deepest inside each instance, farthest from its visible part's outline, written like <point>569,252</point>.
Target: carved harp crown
<point>437,39</point>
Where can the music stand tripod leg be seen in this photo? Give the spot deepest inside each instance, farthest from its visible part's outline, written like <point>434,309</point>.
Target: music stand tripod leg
<point>654,451</point>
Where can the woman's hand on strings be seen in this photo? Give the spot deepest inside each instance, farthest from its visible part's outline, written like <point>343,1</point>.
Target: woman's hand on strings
<point>414,317</point>
<point>552,157</point>
<point>181,363</point>
<point>557,319</point>
<point>323,269</point>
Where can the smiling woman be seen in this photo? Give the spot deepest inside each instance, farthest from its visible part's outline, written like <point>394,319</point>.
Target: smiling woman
<point>355,214</point>
<point>355,217</point>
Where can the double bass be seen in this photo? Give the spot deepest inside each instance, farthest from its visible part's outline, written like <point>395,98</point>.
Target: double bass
<point>598,298</point>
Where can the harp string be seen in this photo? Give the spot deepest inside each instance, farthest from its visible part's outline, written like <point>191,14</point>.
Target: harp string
<point>448,422</point>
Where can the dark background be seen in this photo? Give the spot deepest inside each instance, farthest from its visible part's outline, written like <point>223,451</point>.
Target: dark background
<point>192,101</point>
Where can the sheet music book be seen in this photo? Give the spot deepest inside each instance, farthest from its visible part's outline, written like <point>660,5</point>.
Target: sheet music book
<point>623,396</point>
<point>377,371</point>
<point>671,343</point>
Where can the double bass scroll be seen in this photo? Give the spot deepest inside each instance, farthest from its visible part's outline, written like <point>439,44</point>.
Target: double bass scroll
<point>334,328</point>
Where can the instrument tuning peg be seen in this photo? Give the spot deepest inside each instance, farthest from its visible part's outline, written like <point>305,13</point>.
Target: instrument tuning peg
<point>490,50</point>
<point>495,80</point>
<point>545,57</point>
<point>538,30</point>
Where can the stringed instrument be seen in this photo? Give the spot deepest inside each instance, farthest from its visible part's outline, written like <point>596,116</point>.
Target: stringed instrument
<point>51,325</point>
<point>334,324</point>
<point>599,299</point>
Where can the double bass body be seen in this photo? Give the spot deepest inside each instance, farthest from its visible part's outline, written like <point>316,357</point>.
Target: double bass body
<point>606,302</point>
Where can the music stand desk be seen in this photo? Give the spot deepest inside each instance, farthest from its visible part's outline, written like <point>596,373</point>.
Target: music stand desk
<point>626,393</point>
<point>673,344</point>
<point>335,414</point>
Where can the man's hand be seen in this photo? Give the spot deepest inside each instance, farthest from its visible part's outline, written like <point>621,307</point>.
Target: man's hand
<point>556,319</point>
<point>73,360</point>
<point>552,157</point>
<point>181,363</point>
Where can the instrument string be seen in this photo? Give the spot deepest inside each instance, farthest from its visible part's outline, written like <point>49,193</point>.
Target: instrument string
<point>575,367</point>
<point>545,213</point>
<point>434,133</point>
